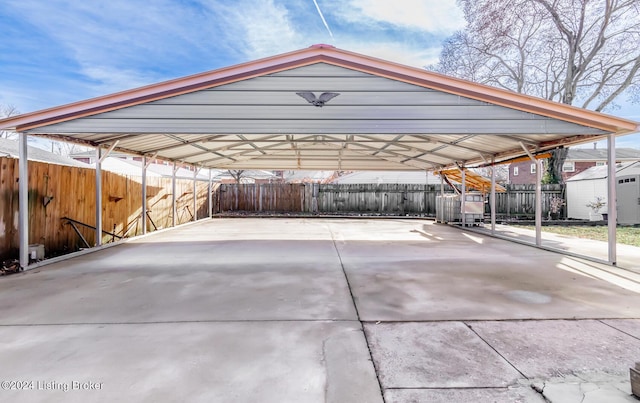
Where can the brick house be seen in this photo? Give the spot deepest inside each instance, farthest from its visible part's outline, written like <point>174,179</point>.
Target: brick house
<point>578,160</point>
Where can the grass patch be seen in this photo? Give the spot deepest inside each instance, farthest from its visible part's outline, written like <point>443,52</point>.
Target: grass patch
<point>625,235</point>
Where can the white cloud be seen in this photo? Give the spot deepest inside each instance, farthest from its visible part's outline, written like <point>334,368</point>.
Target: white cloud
<point>253,29</point>
<point>108,79</point>
<point>435,16</point>
<point>398,52</point>
<point>266,27</point>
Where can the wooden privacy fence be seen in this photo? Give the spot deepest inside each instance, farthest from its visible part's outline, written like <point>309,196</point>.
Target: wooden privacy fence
<point>383,199</point>
<point>398,199</point>
<point>57,191</point>
<point>519,200</point>
<point>281,197</point>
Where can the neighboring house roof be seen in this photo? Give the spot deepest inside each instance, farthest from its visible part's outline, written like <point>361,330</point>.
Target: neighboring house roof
<point>600,154</point>
<point>257,174</point>
<point>134,168</point>
<point>384,177</point>
<point>307,176</point>
<point>92,154</point>
<point>602,172</point>
<point>10,148</point>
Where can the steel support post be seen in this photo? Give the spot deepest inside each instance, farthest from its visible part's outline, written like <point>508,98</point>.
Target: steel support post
<point>144,195</point>
<point>492,197</point>
<point>463,197</point>
<point>612,203</point>
<point>23,200</point>
<point>538,201</point>
<point>209,189</point>
<point>98,240</point>
<point>173,195</point>
<point>195,195</point>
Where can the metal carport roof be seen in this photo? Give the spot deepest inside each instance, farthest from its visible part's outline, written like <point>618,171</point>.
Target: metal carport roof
<point>386,117</point>
<point>266,114</point>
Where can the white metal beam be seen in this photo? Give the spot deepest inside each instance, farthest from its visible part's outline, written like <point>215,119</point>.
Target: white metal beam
<point>98,173</point>
<point>183,142</point>
<point>612,219</point>
<point>145,165</point>
<point>196,171</point>
<point>375,157</point>
<point>243,153</point>
<point>234,144</point>
<point>404,157</point>
<point>209,190</point>
<point>454,145</point>
<point>149,160</point>
<point>173,194</point>
<point>463,197</point>
<point>422,152</point>
<point>109,150</point>
<point>492,197</point>
<point>23,200</point>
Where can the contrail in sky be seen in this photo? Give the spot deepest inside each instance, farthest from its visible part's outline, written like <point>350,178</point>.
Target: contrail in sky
<point>322,16</point>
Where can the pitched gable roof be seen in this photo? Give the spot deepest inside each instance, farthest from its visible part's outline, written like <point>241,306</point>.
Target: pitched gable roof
<point>387,116</point>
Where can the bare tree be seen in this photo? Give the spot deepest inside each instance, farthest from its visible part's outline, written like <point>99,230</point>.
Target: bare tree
<point>65,148</point>
<point>7,111</point>
<point>502,172</point>
<point>578,52</point>
<point>236,174</point>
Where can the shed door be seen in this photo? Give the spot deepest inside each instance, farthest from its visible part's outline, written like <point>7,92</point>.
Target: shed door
<point>628,189</point>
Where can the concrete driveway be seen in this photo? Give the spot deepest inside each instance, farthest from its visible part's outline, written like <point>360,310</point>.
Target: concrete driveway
<point>317,310</point>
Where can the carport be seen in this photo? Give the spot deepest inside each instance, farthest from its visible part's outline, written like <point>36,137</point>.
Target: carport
<point>319,108</point>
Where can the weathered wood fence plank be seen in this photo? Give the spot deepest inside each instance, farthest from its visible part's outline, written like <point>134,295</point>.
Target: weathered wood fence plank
<point>57,191</point>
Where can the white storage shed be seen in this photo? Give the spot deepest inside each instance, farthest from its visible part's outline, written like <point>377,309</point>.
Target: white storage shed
<point>589,185</point>
<point>628,191</point>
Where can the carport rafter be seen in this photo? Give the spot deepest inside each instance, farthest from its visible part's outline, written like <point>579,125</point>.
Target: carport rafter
<point>281,155</point>
<point>422,152</point>
<point>183,142</point>
<point>452,144</point>
<point>395,153</point>
<point>243,138</point>
<point>245,152</point>
<point>396,161</point>
<point>388,143</point>
<point>234,144</point>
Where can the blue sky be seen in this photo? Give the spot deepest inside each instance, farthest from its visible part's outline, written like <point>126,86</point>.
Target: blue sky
<point>54,52</point>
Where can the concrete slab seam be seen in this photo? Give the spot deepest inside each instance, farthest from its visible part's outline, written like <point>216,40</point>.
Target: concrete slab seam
<point>494,349</point>
<point>355,306</point>
<point>184,322</point>
<point>376,322</point>
<point>615,328</point>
